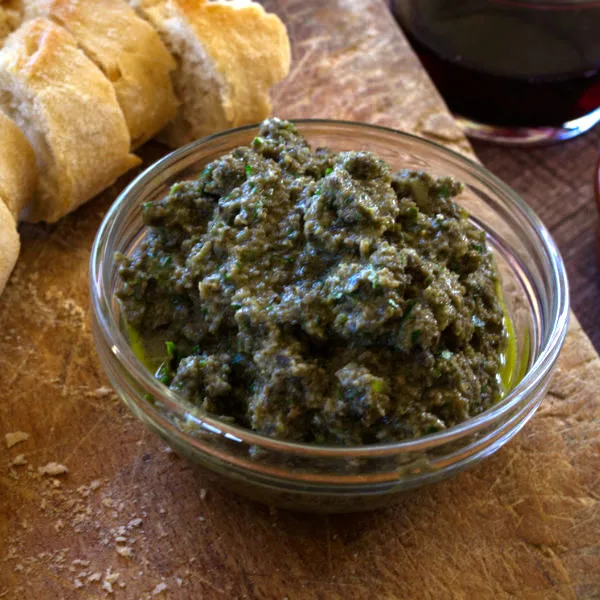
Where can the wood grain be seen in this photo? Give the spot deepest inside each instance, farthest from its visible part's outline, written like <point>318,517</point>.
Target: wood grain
<point>558,183</point>
<point>523,524</point>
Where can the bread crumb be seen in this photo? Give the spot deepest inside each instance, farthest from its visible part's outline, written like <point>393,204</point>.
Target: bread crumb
<point>80,562</point>
<point>18,461</point>
<point>14,438</point>
<point>202,494</point>
<point>109,578</point>
<point>97,576</point>
<point>78,584</point>
<point>125,551</point>
<point>103,391</point>
<point>134,523</point>
<point>159,589</point>
<point>52,469</point>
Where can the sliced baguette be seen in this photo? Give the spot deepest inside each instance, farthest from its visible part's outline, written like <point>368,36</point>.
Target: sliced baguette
<point>128,51</point>
<point>229,54</point>
<point>68,111</point>
<point>9,244</point>
<point>18,168</point>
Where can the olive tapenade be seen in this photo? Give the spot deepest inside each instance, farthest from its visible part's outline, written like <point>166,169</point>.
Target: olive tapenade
<point>316,296</point>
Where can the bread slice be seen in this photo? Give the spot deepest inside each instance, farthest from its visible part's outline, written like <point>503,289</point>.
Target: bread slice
<point>68,111</point>
<point>128,51</point>
<point>18,168</point>
<point>9,244</point>
<point>229,54</point>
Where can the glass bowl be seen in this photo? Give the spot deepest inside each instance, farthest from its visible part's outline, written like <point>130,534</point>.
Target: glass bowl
<point>342,479</point>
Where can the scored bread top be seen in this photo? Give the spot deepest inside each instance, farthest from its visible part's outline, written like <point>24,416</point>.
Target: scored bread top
<point>229,55</point>
<point>69,112</point>
<point>128,51</point>
<point>18,168</point>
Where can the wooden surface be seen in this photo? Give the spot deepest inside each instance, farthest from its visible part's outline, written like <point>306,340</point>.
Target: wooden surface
<point>131,520</point>
<point>558,183</point>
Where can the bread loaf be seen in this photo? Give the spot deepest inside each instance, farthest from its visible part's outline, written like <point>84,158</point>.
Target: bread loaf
<point>9,244</point>
<point>18,168</point>
<point>68,111</point>
<point>127,50</point>
<point>229,54</point>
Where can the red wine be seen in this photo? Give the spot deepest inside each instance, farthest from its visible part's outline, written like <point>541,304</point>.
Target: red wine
<point>509,63</point>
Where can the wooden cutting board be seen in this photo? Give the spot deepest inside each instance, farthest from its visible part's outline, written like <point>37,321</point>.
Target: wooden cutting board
<point>131,520</point>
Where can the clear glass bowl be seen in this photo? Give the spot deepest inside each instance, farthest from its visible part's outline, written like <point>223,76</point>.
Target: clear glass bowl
<point>342,479</point>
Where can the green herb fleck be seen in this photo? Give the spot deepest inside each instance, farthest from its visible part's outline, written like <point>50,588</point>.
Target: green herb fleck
<point>249,169</point>
<point>170,349</point>
<point>196,349</point>
<point>478,247</point>
<point>328,171</point>
<point>258,141</point>
<point>147,205</point>
<point>374,277</point>
<point>377,386</point>
<point>163,373</point>
<point>412,212</point>
<point>207,171</point>
<point>444,191</point>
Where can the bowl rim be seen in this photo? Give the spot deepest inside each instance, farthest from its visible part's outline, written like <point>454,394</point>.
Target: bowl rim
<point>119,346</point>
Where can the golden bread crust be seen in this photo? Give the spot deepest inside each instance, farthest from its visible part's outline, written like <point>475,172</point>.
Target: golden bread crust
<point>69,111</point>
<point>18,168</point>
<point>9,244</point>
<point>127,50</point>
